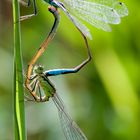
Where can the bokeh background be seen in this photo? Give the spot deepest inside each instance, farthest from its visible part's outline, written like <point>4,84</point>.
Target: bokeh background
<point>103,98</point>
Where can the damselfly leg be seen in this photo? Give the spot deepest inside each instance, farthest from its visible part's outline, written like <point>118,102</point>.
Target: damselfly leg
<point>30,15</point>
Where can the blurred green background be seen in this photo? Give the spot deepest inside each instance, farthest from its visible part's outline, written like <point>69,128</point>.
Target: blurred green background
<point>103,98</point>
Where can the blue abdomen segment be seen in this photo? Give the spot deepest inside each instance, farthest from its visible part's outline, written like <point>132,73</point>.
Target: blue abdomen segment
<point>59,72</point>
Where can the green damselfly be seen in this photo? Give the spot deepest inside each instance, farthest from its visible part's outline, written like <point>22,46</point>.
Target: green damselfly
<point>44,89</point>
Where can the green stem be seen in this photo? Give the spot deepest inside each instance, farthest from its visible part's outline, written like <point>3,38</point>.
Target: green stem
<point>19,113</point>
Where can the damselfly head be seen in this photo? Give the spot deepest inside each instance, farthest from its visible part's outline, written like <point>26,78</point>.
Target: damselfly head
<point>38,69</point>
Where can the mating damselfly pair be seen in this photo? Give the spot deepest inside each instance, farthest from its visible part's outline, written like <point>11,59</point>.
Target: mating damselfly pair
<point>99,13</point>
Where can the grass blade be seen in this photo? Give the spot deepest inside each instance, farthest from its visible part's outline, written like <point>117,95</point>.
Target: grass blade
<point>19,113</point>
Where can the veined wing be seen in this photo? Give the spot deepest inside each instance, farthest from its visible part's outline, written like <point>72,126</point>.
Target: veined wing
<point>81,26</point>
<point>85,31</point>
<point>120,7</point>
<point>70,128</point>
<point>99,13</point>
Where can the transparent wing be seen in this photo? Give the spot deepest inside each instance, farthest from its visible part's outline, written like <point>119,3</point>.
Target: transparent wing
<point>120,7</point>
<point>94,11</point>
<point>81,27</point>
<point>76,22</point>
<point>70,128</point>
<point>99,13</point>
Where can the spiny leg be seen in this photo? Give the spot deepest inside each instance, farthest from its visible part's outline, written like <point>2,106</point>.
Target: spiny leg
<point>42,48</point>
<point>31,15</point>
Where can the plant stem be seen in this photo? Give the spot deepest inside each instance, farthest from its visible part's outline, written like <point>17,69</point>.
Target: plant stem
<point>19,113</point>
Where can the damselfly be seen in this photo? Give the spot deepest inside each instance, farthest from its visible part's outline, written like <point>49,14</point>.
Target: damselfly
<point>43,89</point>
<point>99,13</point>
<point>55,12</point>
<point>35,77</point>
